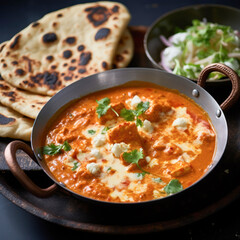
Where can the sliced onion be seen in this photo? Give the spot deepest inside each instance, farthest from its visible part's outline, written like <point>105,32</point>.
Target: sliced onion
<point>163,63</point>
<point>234,55</point>
<point>237,33</point>
<point>165,41</point>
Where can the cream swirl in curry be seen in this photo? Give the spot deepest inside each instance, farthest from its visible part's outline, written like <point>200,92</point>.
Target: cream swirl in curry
<point>130,144</point>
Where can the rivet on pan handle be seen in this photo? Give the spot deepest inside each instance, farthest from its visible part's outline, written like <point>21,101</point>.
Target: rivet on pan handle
<point>219,67</point>
<point>10,157</point>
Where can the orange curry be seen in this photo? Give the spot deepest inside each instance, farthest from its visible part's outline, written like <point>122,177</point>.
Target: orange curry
<point>130,144</point>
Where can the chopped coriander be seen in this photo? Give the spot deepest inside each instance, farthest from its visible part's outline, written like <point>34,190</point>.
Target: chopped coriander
<point>134,157</point>
<point>75,166</point>
<point>66,146</point>
<point>142,107</point>
<point>173,186</point>
<point>53,149</point>
<point>104,131</point>
<point>91,131</point>
<point>127,114</point>
<point>131,115</point>
<point>139,122</point>
<point>109,168</point>
<point>103,106</point>
<point>157,180</point>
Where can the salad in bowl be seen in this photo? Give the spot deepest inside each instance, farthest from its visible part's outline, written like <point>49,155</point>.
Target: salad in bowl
<point>188,51</point>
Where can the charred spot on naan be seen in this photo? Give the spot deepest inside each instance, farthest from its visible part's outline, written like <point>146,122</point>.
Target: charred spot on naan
<point>59,15</point>
<point>6,120</point>
<point>14,63</point>
<point>82,70</point>
<point>15,43</point>
<point>98,15</point>
<point>49,38</point>
<point>102,33</point>
<point>11,95</point>
<point>2,46</point>
<point>20,72</point>
<point>70,40</point>
<point>67,54</point>
<point>80,48</point>
<point>85,57</point>
<point>50,58</point>
<point>104,65</point>
<point>47,78</point>
<point>4,87</point>
<point>35,24</point>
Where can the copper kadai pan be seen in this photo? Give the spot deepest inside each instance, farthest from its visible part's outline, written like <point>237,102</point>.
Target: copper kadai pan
<point>114,78</point>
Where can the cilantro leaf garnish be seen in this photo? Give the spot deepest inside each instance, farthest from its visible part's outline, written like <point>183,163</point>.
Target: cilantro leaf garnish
<point>53,149</point>
<point>127,114</point>
<point>139,122</point>
<point>173,186</point>
<point>142,107</point>
<point>131,115</point>
<point>134,157</point>
<point>66,147</point>
<point>91,131</point>
<point>104,131</point>
<point>75,166</point>
<point>103,106</point>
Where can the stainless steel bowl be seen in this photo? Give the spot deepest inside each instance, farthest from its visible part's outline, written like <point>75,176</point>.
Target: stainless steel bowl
<point>114,78</point>
<point>182,18</point>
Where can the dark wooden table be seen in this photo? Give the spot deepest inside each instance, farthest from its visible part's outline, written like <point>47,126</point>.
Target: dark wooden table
<point>16,223</point>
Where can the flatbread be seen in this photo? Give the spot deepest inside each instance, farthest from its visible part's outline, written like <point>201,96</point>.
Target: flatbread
<point>14,125</point>
<point>64,46</point>
<point>125,50</point>
<point>24,102</point>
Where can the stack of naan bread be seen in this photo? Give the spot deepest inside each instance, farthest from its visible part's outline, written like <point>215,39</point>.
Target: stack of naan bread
<point>55,51</point>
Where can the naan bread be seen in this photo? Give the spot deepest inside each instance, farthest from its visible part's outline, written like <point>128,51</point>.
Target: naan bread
<point>24,102</point>
<point>14,125</point>
<point>64,46</point>
<point>124,52</point>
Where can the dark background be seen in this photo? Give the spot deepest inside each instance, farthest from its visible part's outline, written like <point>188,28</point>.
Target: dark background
<point>18,224</point>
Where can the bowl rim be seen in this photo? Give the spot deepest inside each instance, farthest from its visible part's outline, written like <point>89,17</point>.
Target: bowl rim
<point>151,27</point>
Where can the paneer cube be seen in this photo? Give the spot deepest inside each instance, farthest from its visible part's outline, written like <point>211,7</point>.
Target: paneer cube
<point>154,111</point>
<point>125,132</point>
<point>111,115</point>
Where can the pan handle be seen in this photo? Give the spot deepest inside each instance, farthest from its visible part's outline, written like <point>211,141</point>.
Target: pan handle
<point>10,157</point>
<point>219,67</point>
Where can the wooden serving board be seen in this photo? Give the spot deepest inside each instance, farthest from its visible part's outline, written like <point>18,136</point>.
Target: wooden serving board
<point>215,191</point>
